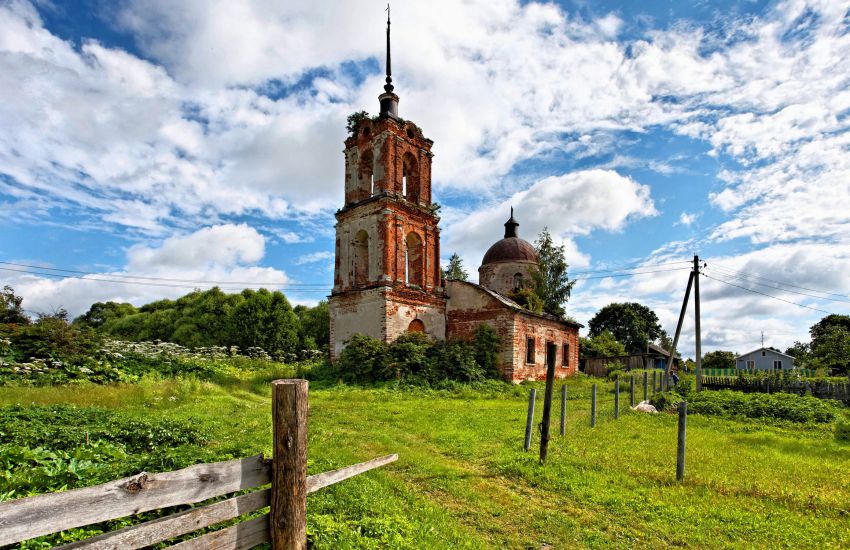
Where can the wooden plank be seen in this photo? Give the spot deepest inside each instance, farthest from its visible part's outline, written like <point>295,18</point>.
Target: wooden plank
<point>168,527</point>
<point>289,467</point>
<point>241,536</point>
<point>45,514</point>
<point>319,481</point>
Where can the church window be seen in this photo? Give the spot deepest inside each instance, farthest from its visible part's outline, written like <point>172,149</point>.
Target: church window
<point>361,258</point>
<point>565,359</point>
<point>416,326</point>
<point>409,178</point>
<point>413,260</point>
<point>517,281</point>
<point>529,351</point>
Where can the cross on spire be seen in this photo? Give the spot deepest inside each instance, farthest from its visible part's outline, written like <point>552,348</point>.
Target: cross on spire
<point>388,87</point>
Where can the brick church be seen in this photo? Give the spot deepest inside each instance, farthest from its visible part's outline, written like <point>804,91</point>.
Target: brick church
<point>387,277</point>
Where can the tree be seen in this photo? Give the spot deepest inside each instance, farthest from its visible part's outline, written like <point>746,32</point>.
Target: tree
<point>549,278</point>
<point>631,323</point>
<point>830,347</point>
<point>600,345</point>
<point>719,360</point>
<point>314,330</point>
<point>10,307</point>
<point>102,312</point>
<point>455,270</point>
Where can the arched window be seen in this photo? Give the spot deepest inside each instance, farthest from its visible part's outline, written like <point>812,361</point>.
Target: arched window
<point>366,174</point>
<point>413,260</point>
<point>361,258</point>
<point>517,281</point>
<point>410,178</point>
<point>416,326</point>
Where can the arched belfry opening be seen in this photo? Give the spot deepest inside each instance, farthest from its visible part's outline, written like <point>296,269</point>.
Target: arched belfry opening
<point>361,258</point>
<point>413,260</point>
<point>410,178</point>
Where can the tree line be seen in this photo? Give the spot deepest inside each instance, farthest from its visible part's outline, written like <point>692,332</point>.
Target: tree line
<point>250,319</point>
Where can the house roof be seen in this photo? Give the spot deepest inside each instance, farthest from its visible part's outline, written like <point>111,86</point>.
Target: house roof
<point>507,302</point>
<point>765,349</point>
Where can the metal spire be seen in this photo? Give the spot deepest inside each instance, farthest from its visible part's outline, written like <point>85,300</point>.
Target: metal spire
<point>511,225</point>
<point>388,87</point>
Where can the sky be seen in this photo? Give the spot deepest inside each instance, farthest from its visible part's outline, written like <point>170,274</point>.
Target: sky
<point>151,147</point>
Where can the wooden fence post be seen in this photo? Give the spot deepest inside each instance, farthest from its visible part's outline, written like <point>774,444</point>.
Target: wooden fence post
<point>288,518</point>
<point>632,391</point>
<point>645,380</point>
<point>547,408</point>
<point>530,421</point>
<point>593,406</point>
<point>654,381</point>
<point>563,409</point>
<point>616,399</point>
<point>680,449</point>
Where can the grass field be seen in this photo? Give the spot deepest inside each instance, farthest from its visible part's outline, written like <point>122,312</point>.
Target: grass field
<point>463,480</point>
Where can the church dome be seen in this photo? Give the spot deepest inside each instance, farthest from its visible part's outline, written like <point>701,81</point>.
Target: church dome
<point>511,248</point>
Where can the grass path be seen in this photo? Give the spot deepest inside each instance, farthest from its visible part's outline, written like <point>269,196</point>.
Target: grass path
<point>463,481</point>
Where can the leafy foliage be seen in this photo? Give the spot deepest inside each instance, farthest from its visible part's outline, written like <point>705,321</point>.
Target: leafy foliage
<point>778,406</point>
<point>354,120</point>
<point>829,348</point>
<point>603,344</point>
<point>10,307</point>
<point>549,278</point>
<point>631,323</point>
<point>719,360</point>
<point>414,358</point>
<point>455,270</point>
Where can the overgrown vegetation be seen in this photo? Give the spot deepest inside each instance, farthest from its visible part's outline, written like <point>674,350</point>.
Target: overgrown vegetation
<point>414,358</point>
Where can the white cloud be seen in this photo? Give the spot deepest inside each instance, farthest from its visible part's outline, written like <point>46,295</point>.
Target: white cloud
<point>569,205</point>
<point>314,257</point>
<point>687,219</point>
<point>223,255</point>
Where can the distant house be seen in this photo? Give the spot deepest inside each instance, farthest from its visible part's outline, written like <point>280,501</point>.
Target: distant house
<point>765,359</point>
<point>655,357</point>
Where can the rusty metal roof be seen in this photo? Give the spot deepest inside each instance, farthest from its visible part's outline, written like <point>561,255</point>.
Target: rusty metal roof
<point>510,249</point>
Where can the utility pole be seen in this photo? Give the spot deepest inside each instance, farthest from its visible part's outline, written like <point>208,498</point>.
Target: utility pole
<point>672,355</point>
<point>697,322</point>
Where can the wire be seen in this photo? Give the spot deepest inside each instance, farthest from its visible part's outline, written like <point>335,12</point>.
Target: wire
<point>745,279</point>
<point>140,283</point>
<point>745,275</point>
<point>765,294</point>
<point>200,281</point>
<point>645,266</point>
<point>631,274</point>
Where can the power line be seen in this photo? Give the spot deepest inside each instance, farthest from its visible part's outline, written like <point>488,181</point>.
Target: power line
<point>631,274</point>
<point>141,283</point>
<point>644,266</point>
<point>765,294</point>
<point>750,275</point>
<point>147,278</point>
<point>744,279</point>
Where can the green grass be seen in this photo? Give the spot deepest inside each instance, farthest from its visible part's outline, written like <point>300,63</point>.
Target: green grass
<point>463,480</point>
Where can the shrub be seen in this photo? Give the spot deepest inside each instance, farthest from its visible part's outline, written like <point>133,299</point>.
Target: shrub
<point>666,401</point>
<point>487,344</point>
<point>779,406</point>
<point>364,359</point>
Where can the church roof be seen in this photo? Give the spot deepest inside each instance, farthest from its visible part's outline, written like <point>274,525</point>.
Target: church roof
<point>507,302</point>
<point>511,248</point>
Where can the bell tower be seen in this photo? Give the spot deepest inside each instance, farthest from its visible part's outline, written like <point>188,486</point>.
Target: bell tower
<point>387,267</point>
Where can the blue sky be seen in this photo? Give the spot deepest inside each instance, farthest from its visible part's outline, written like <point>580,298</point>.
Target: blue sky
<point>201,141</point>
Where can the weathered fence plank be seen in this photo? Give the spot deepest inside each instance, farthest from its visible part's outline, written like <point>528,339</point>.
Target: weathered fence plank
<point>168,527</point>
<point>320,481</point>
<point>44,514</point>
<point>241,536</point>
<point>680,443</point>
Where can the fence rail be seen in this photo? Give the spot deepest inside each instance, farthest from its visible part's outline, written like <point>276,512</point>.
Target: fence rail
<point>46,514</point>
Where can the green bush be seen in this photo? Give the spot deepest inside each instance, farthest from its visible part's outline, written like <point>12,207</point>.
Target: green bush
<point>666,401</point>
<point>779,406</point>
<point>364,359</point>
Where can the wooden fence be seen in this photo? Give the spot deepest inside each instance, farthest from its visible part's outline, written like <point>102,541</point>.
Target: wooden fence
<point>821,389</point>
<point>284,526</point>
